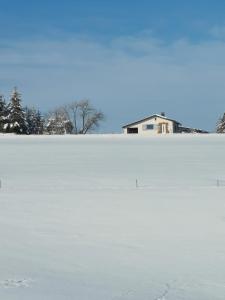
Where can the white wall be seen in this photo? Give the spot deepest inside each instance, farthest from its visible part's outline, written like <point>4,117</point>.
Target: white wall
<point>153,121</point>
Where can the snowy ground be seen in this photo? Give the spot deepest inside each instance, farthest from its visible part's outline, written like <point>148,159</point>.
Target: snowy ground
<point>73,226</point>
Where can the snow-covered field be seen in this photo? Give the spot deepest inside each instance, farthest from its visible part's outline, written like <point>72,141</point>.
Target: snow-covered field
<point>73,225</point>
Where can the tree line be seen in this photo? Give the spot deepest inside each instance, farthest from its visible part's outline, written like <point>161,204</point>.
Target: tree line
<point>78,117</point>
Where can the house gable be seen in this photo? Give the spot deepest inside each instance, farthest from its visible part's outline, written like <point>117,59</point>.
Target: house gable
<point>155,116</point>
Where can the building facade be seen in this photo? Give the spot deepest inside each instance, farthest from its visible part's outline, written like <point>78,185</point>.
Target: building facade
<point>155,124</point>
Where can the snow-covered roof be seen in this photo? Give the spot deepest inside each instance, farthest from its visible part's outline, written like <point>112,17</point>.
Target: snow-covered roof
<point>150,117</point>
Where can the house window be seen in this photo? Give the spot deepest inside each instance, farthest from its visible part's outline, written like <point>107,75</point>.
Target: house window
<point>132,130</point>
<point>148,127</point>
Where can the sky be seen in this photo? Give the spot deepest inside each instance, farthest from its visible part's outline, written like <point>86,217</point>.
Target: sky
<point>131,58</point>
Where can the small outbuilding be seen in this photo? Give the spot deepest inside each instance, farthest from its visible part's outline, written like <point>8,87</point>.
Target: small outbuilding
<point>155,124</point>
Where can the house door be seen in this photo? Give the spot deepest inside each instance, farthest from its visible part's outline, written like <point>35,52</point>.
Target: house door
<point>164,128</point>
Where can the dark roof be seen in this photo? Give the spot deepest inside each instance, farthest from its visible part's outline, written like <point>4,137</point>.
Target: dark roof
<point>192,130</point>
<point>150,117</point>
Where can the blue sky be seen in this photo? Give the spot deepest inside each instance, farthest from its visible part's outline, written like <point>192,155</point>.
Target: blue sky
<point>131,58</point>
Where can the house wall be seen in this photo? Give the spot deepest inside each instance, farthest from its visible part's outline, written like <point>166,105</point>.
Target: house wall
<point>155,121</point>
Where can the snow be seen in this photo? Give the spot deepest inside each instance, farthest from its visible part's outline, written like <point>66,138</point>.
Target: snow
<point>73,225</point>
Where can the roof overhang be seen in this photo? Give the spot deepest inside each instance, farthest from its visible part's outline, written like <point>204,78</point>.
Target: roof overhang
<point>149,118</point>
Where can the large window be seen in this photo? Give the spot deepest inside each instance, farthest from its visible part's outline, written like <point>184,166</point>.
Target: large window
<point>132,130</point>
<point>148,127</point>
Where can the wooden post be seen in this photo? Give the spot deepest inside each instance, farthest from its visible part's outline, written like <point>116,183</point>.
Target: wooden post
<point>136,183</point>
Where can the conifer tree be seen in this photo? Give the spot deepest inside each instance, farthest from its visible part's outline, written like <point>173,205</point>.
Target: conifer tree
<point>39,123</point>
<point>3,113</point>
<point>30,116</point>
<point>16,121</point>
<point>34,121</point>
<point>221,125</point>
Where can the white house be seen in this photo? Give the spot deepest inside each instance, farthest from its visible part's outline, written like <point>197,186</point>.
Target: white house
<point>155,124</point>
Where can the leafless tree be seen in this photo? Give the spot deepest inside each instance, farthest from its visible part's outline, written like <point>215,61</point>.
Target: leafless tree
<point>92,121</point>
<point>72,112</point>
<point>83,116</point>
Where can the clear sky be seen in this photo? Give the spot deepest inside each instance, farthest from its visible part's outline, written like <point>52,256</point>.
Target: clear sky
<point>131,58</point>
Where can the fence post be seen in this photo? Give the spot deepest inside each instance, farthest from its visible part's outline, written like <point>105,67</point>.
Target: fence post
<point>136,183</point>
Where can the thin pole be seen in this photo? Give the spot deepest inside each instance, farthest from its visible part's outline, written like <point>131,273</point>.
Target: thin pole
<point>136,183</point>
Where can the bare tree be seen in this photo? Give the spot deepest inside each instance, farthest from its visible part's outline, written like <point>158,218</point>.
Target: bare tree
<point>72,112</point>
<point>92,121</point>
<point>83,116</point>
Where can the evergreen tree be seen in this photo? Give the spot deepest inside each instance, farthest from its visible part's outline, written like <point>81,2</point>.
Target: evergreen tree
<point>34,121</point>
<point>39,123</point>
<point>3,113</point>
<point>29,115</point>
<point>221,125</point>
<point>16,120</point>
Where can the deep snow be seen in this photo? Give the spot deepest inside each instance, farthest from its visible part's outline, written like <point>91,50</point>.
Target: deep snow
<point>74,226</point>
